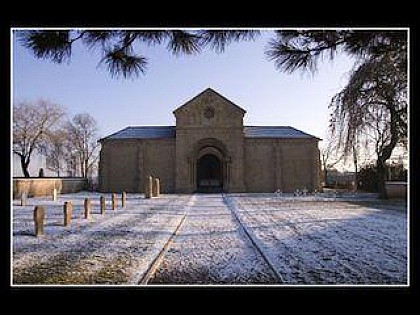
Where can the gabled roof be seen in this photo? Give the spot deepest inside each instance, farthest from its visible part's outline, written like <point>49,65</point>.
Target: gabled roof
<point>275,132</point>
<point>206,91</point>
<point>159,132</point>
<point>143,132</point>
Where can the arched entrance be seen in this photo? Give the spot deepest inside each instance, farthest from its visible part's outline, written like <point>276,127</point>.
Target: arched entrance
<point>209,166</point>
<point>209,174</point>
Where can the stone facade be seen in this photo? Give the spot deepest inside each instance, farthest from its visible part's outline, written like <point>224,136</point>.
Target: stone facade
<point>210,149</point>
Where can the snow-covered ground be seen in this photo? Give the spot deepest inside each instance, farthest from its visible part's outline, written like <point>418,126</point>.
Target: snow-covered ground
<point>311,240</point>
<point>307,240</point>
<point>211,248</point>
<point>114,248</point>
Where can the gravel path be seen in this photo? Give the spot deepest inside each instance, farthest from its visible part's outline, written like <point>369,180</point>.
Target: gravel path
<point>212,248</point>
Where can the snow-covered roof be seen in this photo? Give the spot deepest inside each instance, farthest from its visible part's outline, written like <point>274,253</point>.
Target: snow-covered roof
<point>156,132</point>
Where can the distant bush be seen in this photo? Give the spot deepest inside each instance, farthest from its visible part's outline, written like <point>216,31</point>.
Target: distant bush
<point>367,177</point>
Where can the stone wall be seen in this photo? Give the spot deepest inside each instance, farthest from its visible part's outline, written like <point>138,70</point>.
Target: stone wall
<point>260,165</point>
<point>37,187</point>
<point>285,164</point>
<point>119,166</point>
<point>124,164</point>
<point>159,162</point>
<point>209,123</point>
<point>268,164</point>
<point>223,128</point>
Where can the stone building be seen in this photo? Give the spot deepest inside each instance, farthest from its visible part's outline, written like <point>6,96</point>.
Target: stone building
<point>210,150</point>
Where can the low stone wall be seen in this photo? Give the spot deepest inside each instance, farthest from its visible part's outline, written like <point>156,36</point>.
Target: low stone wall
<point>396,189</point>
<point>36,187</point>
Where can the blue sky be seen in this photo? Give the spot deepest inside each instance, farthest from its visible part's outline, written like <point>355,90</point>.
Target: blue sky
<point>242,74</point>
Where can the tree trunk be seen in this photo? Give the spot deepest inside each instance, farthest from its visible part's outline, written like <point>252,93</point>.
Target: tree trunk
<point>86,166</point>
<point>82,170</point>
<point>325,176</point>
<point>355,168</point>
<point>381,171</point>
<point>24,164</point>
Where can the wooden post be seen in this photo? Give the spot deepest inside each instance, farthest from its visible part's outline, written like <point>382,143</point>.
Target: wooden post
<point>39,214</point>
<point>23,198</point>
<point>156,188</point>
<point>114,201</point>
<point>68,207</point>
<point>148,187</point>
<point>102,202</point>
<point>123,199</point>
<point>87,208</point>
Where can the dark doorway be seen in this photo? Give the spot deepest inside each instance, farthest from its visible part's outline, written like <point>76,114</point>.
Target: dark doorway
<point>209,174</point>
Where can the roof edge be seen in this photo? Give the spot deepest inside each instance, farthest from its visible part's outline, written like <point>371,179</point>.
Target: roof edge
<point>199,94</point>
<point>129,127</point>
<point>272,126</point>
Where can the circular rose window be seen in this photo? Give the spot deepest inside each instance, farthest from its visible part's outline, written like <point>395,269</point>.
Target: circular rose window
<point>209,112</point>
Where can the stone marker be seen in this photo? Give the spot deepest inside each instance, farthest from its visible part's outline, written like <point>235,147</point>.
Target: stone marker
<point>23,198</point>
<point>87,208</point>
<point>114,201</point>
<point>68,208</point>
<point>148,187</point>
<point>102,202</point>
<point>156,188</point>
<point>39,214</point>
<point>123,199</point>
<point>55,194</point>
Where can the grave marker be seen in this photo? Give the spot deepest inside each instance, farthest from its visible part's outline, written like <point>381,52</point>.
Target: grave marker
<point>39,214</point>
<point>87,208</point>
<point>68,208</point>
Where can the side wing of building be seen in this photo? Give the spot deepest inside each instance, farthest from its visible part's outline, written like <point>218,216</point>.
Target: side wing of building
<point>281,158</point>
<point>133,153</point>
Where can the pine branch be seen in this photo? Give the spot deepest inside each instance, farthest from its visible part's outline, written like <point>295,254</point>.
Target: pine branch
<point>293,51</point>
<point>53,45</point>
<point>120,63</point>
<point>182,42</point>
<point>218,40</point>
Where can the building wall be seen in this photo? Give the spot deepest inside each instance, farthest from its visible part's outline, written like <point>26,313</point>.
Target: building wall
<point>185,153</point>
<point>118,166</point>
<point>225,127</point>
<point>124,164</point>
<point>159,161</point>
<point>210,121</point>
<point>259,165</point>
<point>285,164</point>
<point>269,164</point>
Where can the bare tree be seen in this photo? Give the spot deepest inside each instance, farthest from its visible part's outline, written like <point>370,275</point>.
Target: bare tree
<point>56,150</point>
<point>82,136</point>
<point>376,91</point>
<point>329,156</point>
<point>374,105</point>
<point>31,122</point>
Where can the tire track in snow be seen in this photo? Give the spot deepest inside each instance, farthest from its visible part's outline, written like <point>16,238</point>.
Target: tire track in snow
<point>143,276</point>
<point>214,248</point>
<point>252,239</point>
